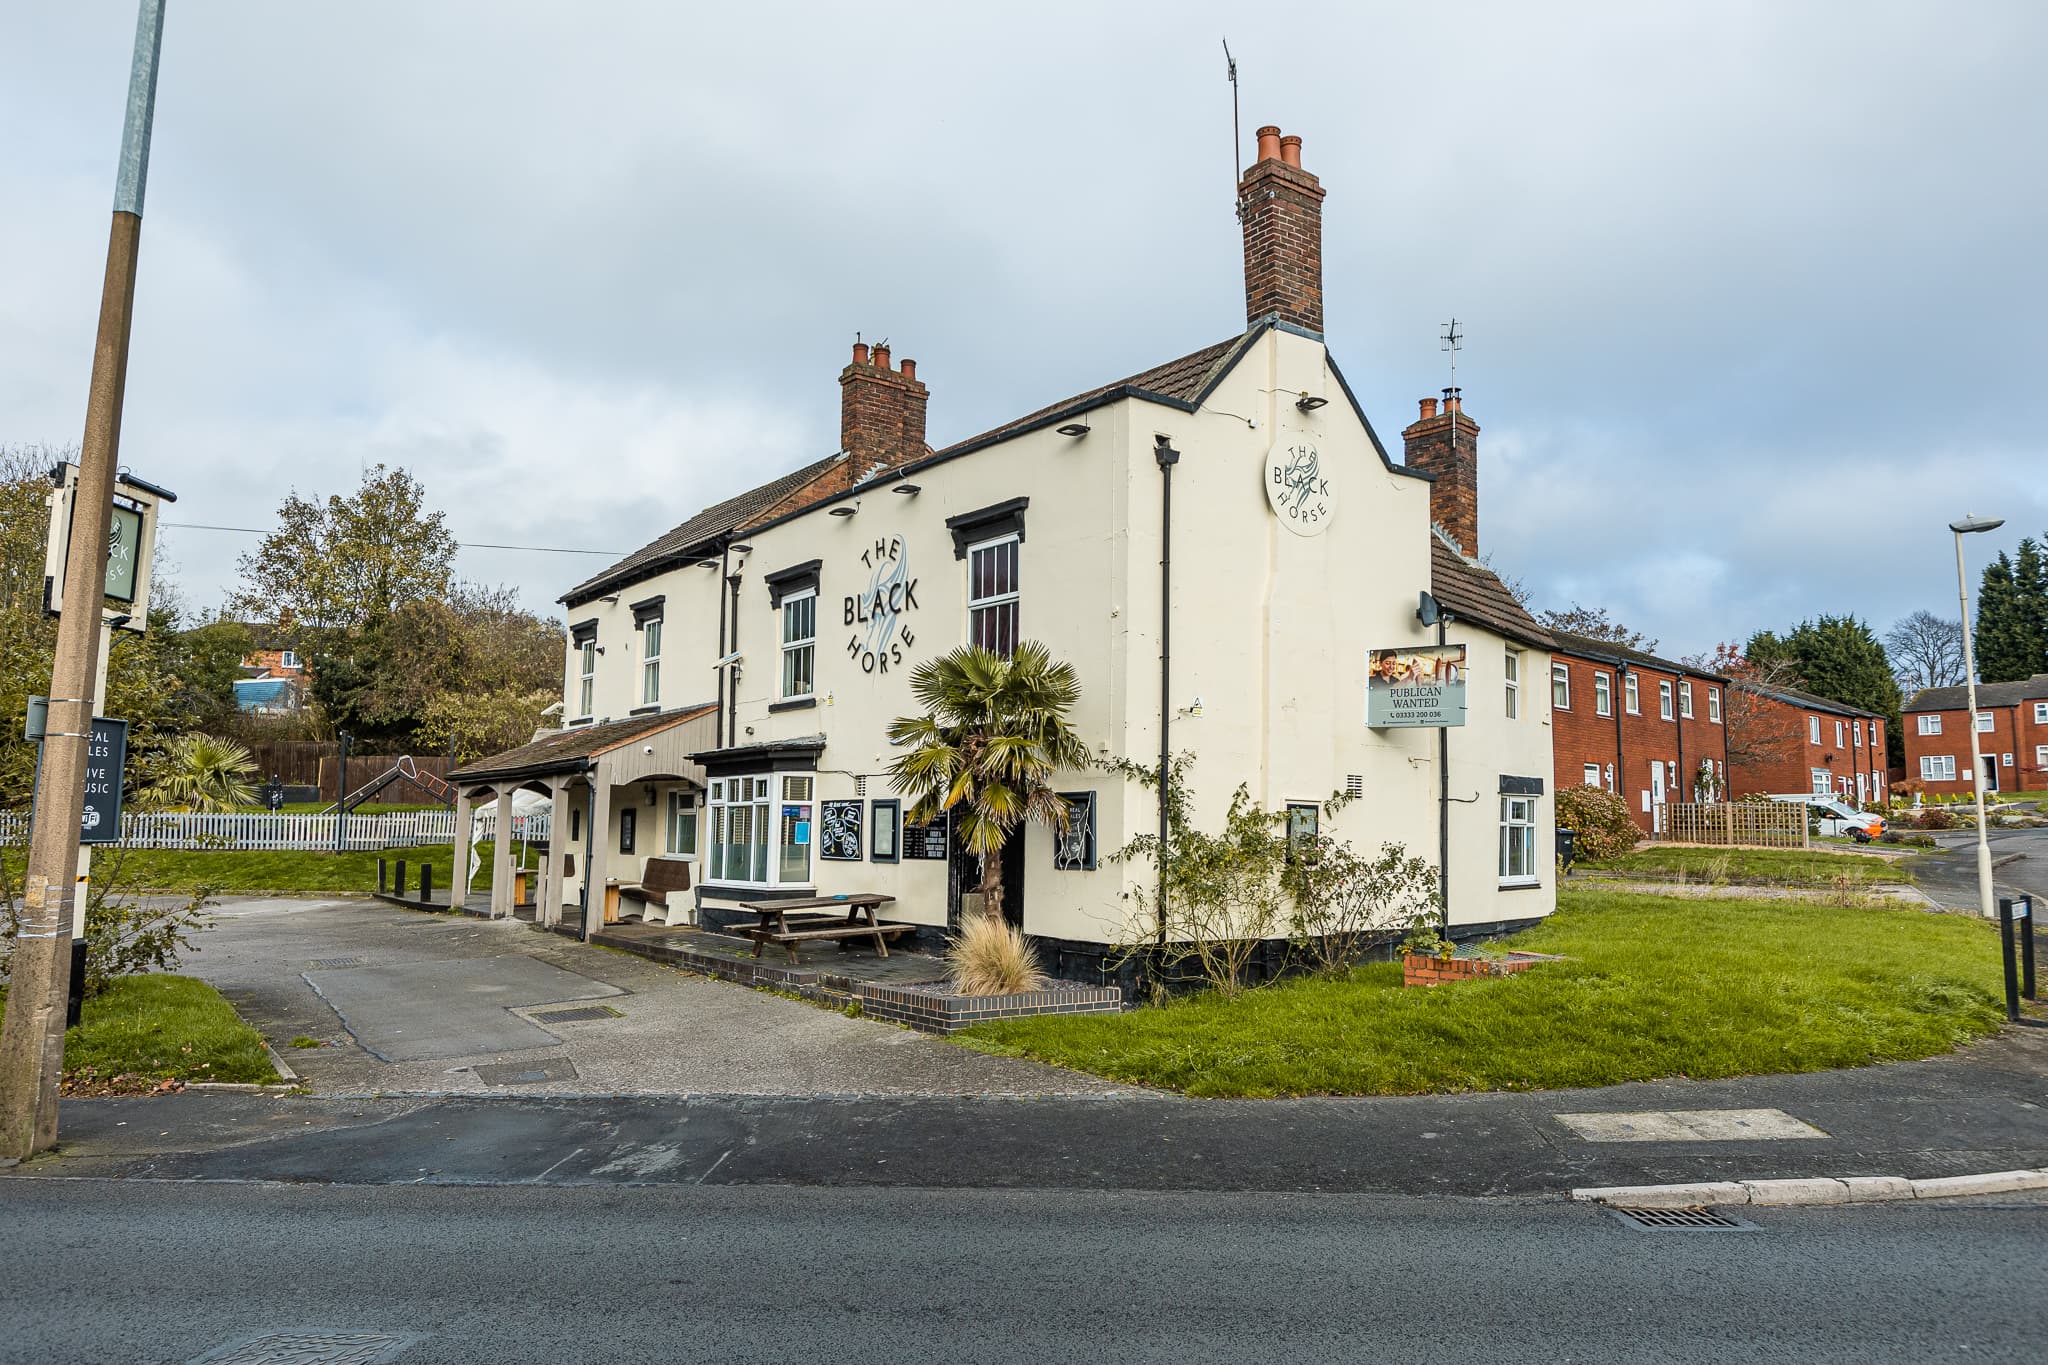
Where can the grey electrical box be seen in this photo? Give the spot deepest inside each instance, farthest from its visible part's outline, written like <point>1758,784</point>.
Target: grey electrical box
<point>38,717</point>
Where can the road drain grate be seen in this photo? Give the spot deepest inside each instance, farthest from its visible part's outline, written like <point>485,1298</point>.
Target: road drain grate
<point>309,1348</point>
<point>330,963</point>
<point>1680,1220</point>
<point>580,1015</point>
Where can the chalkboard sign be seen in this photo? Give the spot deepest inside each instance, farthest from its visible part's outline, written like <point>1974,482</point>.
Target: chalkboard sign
<point>839,831</point>
<point>925,842</point>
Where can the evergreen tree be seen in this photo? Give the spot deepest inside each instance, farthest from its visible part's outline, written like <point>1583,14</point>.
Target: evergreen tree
<point>2001,625</point>
<point>1839,658</point>
<point>2030,614</point>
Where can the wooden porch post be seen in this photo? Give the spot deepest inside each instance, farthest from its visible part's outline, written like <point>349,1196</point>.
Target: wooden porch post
<point>501,855</point>
<point>600,848</point>
<point>465,830</point>
<point>552,881</point>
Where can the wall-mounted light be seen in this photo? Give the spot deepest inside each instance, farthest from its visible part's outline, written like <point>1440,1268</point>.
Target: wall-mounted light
<point>1073,429</point>
<point>844,511</point>
<point>600,649</point>
<point>908,490</point>
<point>1308,402</point>
<point>611,599</point>
<point>649,789</point>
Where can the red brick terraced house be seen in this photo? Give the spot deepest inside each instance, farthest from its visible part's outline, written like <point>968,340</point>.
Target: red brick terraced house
<point>1648,728</point>
<point>2012,732</point>
<point>1785,741</point>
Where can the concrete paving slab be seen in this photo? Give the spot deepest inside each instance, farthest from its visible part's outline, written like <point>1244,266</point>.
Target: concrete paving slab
<point>1689,1125</point>
<point>422,1011</point>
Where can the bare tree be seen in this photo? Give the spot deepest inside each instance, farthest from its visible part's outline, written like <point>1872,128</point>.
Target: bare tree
<point>1926,651</point>
<point>1759,727</point>
<point>1595,624</point>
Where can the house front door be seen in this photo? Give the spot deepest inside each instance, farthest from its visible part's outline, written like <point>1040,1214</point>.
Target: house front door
<point>1657,795</point>
<point>1991,772</point>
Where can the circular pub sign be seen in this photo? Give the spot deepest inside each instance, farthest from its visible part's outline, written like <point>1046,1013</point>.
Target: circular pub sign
<point>1298,485</point>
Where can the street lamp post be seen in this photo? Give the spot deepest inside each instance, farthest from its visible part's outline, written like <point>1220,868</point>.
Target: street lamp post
<point>1969,526</point>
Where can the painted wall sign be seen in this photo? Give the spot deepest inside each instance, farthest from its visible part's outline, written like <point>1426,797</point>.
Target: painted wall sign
<point>1298,485</point>
<point>877,632</point>
<point>839,831</point>
<point>1416,686</point>
<point>105,753</point>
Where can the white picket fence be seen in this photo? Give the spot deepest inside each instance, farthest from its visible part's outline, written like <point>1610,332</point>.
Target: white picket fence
<point>181,830</point>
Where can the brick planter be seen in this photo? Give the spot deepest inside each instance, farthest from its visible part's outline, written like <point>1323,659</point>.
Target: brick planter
<point>933,1010</point>
<point>1420,969</point>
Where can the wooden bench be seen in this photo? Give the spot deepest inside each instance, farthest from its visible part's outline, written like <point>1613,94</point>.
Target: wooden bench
<point>777,922</point>
<point>657,879</point>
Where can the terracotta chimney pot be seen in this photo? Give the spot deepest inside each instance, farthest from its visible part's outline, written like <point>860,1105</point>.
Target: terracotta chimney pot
<point>909,368</point>
<point>1269,143</point>
<point>882,357</point>
<point>1290,150</point>
<point>860,353</point>
<point>1428,408</point>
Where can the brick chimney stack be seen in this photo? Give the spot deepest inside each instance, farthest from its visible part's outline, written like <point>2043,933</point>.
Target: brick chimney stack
<point>1446,445</point>
<point>1281,207</point>
<point>881,413</point>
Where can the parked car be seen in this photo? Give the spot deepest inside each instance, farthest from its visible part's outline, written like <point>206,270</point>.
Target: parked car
<point>1835,816</point>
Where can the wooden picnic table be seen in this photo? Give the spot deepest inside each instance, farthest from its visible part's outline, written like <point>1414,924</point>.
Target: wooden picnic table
<point>782,922</point>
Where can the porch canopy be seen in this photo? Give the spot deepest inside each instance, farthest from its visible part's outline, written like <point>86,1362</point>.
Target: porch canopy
<point>619,753</point>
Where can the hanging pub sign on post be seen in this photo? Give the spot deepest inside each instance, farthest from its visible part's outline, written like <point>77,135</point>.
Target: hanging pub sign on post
<point>1417,685</point>
<point>131,546</point>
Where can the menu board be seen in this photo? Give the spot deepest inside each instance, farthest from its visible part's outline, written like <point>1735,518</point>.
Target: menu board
<point>927,842</point>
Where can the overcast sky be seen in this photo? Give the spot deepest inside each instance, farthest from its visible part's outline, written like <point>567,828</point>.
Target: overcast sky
<point>1752,293</point>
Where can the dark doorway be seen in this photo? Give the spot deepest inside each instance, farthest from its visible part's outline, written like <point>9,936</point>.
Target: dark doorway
<point>1991,772</point>
<point>963,876</point>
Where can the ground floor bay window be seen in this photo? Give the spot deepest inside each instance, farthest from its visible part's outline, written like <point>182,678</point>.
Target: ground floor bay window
<point>760,830</point>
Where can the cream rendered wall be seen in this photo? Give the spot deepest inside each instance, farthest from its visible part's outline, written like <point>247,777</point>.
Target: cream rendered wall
<point>689,646</point>
<point>1486,747</point>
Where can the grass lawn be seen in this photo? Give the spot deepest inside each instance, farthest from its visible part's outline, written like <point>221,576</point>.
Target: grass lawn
<point>1776,866</point>
<point>1655,987</point>
<point>145,1029</point>
<point>235,871</point>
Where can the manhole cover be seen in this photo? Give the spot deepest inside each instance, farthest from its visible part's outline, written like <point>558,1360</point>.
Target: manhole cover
<point>309,1348</point>
<point>527,1073</point>
<point>1680,1220</point>
<point>332,962</point>
<point>581,1014</point>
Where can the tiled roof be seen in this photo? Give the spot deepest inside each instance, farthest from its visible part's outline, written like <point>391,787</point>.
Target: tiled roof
<point>1988,694</point>
<point>1473,592</point>
<point>732,514</point>
<point>567,749</point>
<point>1810,701</point>
<point>1586,646</point>
<point>1180,380</point>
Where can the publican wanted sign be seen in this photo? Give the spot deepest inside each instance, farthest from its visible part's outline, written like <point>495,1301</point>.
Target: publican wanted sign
<point>1414,686</point>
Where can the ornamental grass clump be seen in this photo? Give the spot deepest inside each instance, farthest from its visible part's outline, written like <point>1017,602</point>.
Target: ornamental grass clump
<point>991,958</point>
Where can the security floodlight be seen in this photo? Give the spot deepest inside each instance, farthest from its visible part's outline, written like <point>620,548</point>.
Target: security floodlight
<point>1073,429</point>
<point>1969,524</point>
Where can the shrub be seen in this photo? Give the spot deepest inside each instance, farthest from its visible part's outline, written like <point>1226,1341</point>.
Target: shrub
<point>126,933</point>
<point>1934,818</point>
<point>991,958</point>
<point>1345,903</point>
<point>1601,820</point>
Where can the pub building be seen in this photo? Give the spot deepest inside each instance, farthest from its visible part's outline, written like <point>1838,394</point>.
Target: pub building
<point>1218,545</point>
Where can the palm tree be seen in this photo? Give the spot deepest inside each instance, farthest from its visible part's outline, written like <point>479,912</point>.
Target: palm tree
<point>993,733</point>
<point>201,773</point>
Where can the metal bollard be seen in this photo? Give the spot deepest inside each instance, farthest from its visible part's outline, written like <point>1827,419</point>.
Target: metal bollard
<point>2007,955</point>
<point>426,883</point>
<point>382,876</point>
<point>2025,912</point>
<point>398,888</point>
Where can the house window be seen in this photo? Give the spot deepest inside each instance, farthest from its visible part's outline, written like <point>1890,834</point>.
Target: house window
<point>1714,705</point>
<point>799,643</point>
<point>1930,724</point>
<point>793,832</point>
<point>2040,712</point>
<point>1514,683</point>
<point>650,663</point>
<point>1631,695</point>
<point>2006,759</point>
<point>288,659</point>
<point>1984,722</point>
<point>739,829</point>
<point>1823,784</point>
<point>1813,729</point>
<point>992,595</point>
<point>1838,734</point>
<point>1939,767</point>
<point>1603,695</point>
<point>682,826</point>
<point>1685,700</point>
<point>1592,774</point>
<point>1303,821</point>
<point>1561,687</point>
<point>1664,698</point>
<point>2041,758</point>
<point>629,826</point>
<point>587,664</point>
<point>1517,840</point>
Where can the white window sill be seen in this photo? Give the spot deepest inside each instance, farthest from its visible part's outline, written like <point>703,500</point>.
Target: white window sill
<point>1521,884</point>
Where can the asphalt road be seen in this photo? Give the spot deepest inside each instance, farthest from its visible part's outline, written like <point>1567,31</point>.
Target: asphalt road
<point>106,1272</point>
<point>1950,874</point>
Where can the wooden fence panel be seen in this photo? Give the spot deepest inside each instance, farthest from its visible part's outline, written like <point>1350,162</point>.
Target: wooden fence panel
<point>1757,824</point>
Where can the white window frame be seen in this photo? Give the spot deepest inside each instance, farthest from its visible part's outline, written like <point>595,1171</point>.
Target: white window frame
<point>1856,732</point>
<point>1560,687</point>
<point>1937,767</point>
<point>1518,841</point>
<point>1631,695</point>
<point>1986,722</point>
<point>2005,760</point>
<point>1822,781</point>
<point>1603,694</point>
<point>1512,670</point>
<point>1714,705</point>
<point>1813,729</point>
<point>2041,757</point>
<point>1591,775</point>
<point>799,672</point>
<point>1838,735</point>
<point>682,815</point>
<point>992,606</point>
<point>1930,722</point>
<point>1664,711</point>
<point>650,661</point>
<point>767,800</point>
<point>2041,713</point>
<point>587,678</point>
<point>1685,700</point>
<point>287,658</point>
